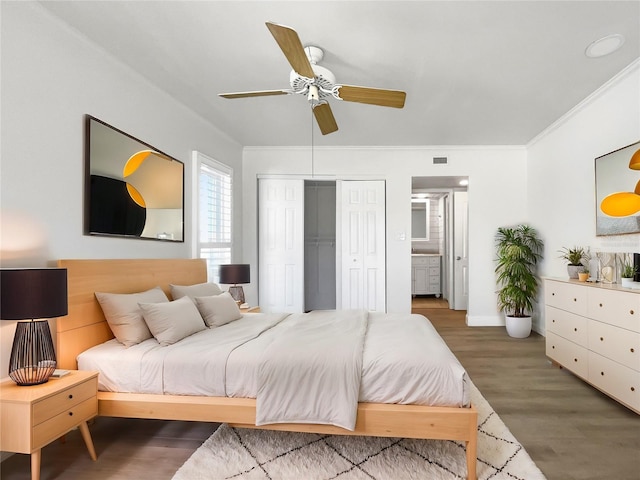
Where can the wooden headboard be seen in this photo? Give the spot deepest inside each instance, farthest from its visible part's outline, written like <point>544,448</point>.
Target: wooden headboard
<point>85,325</point>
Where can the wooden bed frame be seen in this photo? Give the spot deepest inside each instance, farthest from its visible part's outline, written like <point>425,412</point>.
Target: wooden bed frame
<point>85,326</point>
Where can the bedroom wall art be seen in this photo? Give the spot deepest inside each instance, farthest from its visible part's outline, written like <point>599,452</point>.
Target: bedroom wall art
<point>132,189</point>
<point>618,191</point>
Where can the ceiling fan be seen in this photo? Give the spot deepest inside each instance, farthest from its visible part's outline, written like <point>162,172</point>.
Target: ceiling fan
<point>317,82</point>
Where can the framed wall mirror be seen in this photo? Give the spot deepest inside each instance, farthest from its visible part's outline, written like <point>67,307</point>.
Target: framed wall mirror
<point>132,189</point>
<point>420,224</point>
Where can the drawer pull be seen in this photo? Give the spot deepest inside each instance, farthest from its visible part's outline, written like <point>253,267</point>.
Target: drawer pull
<point>71,414</point>
<point>633,389</point>
<point>632,350</point>
<point>631,312</point>
<point>575,299</point>
<point>553,294</point>
<point>575,329</point>
<point>553,347</point>
<point>601,339</point>
<point>601,305</point>
<point>70,396</point>
<point>575,360</point>
<point>553,321</point>
<point>602,373</point>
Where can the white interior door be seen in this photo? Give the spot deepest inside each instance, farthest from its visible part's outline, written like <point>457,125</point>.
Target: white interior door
<point>361,262</point>
<point>461,250</point>
<point>281,245</point>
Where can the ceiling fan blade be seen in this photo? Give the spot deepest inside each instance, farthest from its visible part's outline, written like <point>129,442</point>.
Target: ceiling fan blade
<point>372,96</point>
<point>292,48</point>
<point>325,119</point>
<point>259,93</point>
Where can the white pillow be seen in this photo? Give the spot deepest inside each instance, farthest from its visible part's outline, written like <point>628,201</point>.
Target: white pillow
<point>218,310</point>
<point>124,315</point>
<point>170,322</point>
<point>192,291</point>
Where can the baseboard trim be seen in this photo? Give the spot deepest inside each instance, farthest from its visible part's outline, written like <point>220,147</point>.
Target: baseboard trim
<point>485,321</point>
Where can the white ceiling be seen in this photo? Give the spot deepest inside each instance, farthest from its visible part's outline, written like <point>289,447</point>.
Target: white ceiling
<point>475,72</point>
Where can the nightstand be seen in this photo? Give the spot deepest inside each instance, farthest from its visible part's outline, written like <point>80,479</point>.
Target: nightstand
<point>255,309</point>
<point>34,416</point>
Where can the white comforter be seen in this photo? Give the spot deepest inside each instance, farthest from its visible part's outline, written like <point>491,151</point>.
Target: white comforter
<point>404,361</point>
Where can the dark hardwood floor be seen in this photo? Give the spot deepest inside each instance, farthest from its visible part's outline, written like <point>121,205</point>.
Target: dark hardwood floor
<point>572,431</point>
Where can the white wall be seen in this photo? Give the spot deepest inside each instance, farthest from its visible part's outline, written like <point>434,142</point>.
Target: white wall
<point>561,171</point>
<point>52,77</point>
<point>497,194</point>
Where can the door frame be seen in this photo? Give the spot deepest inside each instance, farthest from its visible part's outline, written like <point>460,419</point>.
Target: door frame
<point>448,253</point>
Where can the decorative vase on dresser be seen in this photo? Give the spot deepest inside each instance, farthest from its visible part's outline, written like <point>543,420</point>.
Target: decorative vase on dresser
<point>593,330</point>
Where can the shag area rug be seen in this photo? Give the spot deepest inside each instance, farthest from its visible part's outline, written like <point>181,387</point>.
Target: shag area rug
<point>247,454</point>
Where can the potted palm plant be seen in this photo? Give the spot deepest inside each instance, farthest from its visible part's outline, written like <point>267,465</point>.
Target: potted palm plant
<point>519,251</point>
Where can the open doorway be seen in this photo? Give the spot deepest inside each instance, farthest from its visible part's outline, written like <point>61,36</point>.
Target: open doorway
<point>439,242</point>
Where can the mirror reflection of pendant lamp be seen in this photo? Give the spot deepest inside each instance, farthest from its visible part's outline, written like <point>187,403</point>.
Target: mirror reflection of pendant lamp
<point>32,293</point>
<point>233,274</point>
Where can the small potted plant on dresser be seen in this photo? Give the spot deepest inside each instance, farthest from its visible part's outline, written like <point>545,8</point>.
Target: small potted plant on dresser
<point>627,272</point>
<point>519,251</point>
<point>574,257</point>
<point>583,276</point>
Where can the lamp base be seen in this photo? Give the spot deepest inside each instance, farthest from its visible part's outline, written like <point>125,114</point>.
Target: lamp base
<point>237,293</point>
<point>33,358</point>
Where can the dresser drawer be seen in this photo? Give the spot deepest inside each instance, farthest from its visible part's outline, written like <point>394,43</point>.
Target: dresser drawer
<point>571,356</point>
<point>59,424</point>
<point>434,271</point>
<point>615,343</point>
<point>60,402</point>
<point>566,296</point>
<point>621,382</point>
<point>615,307</point>
<point>434,262</point>
<point>566,324</point>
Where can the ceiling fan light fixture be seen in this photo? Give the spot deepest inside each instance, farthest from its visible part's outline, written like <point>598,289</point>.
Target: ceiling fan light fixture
<point>313,96</point>
<point>604,46</point>
<point>318,83</point>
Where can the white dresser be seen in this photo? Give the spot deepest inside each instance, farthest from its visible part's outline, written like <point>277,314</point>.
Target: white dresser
<point>425,274</point>
<point>593,330</point>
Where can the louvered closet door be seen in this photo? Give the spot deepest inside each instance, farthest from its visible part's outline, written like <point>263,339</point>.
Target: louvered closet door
<point>281,245</point>
<point>362,238</point>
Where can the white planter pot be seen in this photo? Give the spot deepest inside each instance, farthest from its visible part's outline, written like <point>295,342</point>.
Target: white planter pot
<point>627,282</point>
<point>518,327</point>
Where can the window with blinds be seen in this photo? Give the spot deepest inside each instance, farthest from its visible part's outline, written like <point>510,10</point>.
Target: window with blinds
<point>215,199</point>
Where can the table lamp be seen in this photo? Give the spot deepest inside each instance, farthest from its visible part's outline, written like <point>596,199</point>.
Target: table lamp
<point>235,274</point>
<point>32,293</point>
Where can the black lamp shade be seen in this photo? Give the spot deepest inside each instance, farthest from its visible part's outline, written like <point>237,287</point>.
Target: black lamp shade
<point>232,274</point>
<point>31,294</point>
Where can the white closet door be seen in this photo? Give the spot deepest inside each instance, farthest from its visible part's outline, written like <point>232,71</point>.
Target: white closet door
<point>281,245</point>
<point>362,237</point>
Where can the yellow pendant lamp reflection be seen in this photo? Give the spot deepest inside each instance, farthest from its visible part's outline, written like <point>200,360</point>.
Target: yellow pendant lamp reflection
<point>634,163</point>
<point>130,167</point>
<point>623,204</point>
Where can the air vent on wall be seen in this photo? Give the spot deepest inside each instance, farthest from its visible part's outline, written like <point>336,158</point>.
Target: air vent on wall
<point>439,160</point>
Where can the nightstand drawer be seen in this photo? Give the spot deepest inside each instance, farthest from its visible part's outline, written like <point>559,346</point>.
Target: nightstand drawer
<point>51,406</point>
<point>63,422</point>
